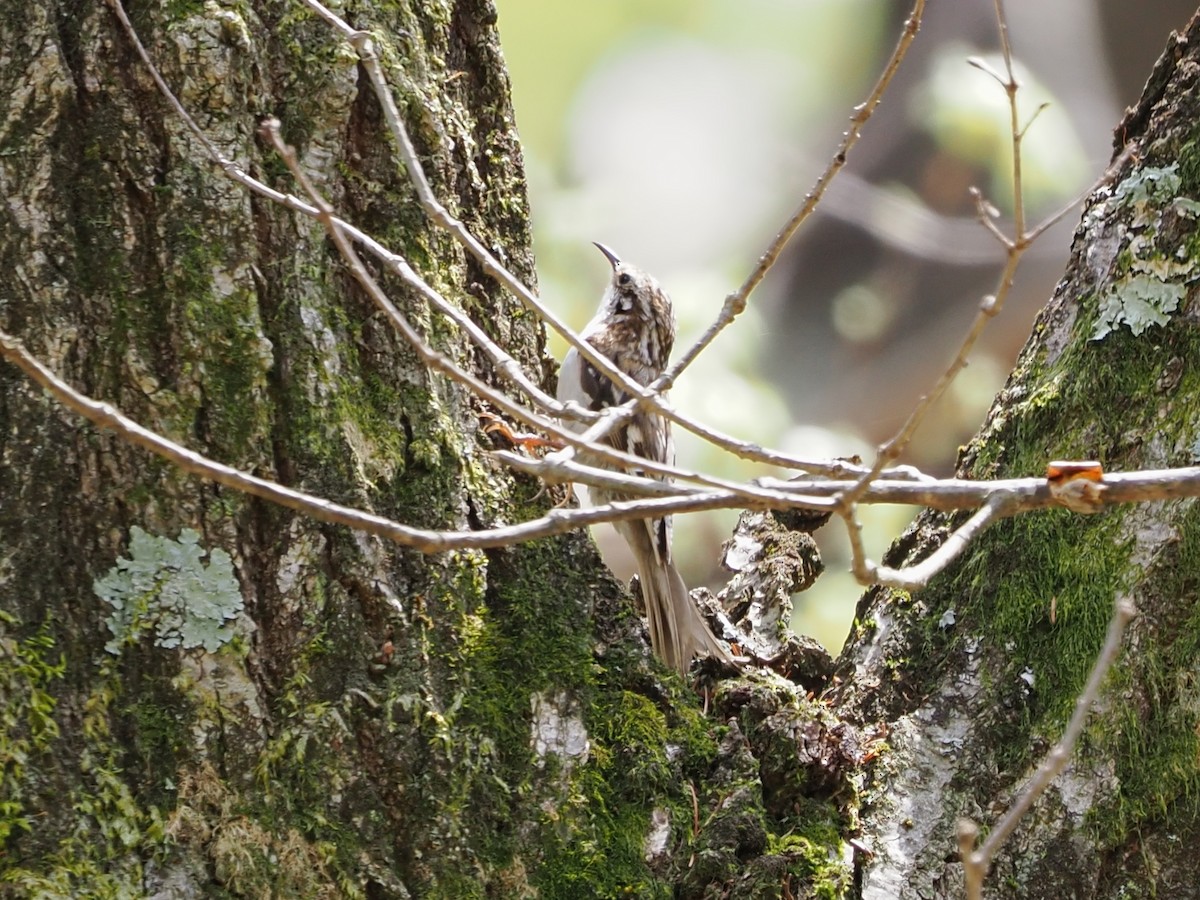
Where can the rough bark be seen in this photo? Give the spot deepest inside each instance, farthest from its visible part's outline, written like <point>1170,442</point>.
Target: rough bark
<point>307,756</point>
<point>975,677</point>
<point>204,695</point>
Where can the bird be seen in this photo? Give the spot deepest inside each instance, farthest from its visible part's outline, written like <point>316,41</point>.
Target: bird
<point>634,328</point>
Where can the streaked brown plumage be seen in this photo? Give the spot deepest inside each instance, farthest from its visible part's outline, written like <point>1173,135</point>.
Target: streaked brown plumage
<point>635,328</point>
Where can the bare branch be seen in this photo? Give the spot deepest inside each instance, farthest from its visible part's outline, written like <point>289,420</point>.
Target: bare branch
<point>395,263</point>
<point>994,500</point>
<point>557,521</point>
<point>978,862</point>
<point>1105,178</point>
<point>918,575</point>
<point>735,303</point>
<point>989,308</point>
<point>1026,493</point>
<point>554,468</point>
<point>1020,494</point>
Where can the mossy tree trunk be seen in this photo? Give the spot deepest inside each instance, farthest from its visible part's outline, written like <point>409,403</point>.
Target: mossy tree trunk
<point>359,723</point>
<point>977,675</point>
<point>206,695</point>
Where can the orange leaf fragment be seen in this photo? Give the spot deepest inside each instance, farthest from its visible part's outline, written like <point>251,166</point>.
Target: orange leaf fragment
<point>1077,485</point>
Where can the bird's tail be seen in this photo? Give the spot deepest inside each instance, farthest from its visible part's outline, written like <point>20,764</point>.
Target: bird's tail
<point>678,631</point>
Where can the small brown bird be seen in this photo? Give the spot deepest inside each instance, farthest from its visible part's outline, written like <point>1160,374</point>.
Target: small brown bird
<point>635,328</point>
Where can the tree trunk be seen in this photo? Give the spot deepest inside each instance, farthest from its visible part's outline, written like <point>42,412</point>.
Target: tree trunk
<point>206,695</point>
<point>327,715</point>
<point>976,676</point>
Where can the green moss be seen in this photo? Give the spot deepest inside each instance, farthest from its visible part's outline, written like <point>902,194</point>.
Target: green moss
<point>594,848</point>
<point>595,840</point>
<point>1037,592</point>
<point>102,855</point>
<point>141,795</point>
<point>529,636</point>
<point>161,717</point>
<point>1153,729</point>
<point>1041,585</point>
<point>811,860</point>
<point>1188,157</point>
<point>537,625</point>
<point>27,727</point>
<point>632,741</point>
<point>1091,401</point>
<point>249,854</point>
<point>176,10</point>
<point>516,638</point>
<point>299,774</point>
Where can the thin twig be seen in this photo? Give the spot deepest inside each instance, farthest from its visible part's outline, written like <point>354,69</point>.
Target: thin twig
<point>1014,120</point>
<point>396,264</point>
<point>866,488</point>
<point>735,303</point>
<point>977,862</point>
<point>639,395</point>
<point>919,574</point>
<point>1015,248</point>
<point>1105,178</point>
<point>1025,494</point>
<point>553,469</point>
<point>949,494</point>
<point>989,308</point>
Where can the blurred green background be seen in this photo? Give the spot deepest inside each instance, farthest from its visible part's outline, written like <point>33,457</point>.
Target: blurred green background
<point>683,132</point>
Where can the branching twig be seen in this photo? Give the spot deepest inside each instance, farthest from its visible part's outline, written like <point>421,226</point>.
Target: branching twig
<point>556,469</point>
<point>735,303</point>
<point>977,862</point>
<point>650,395</point>
<point>393,262</point>
<point>1019,495</point>
<point>989,308</point>
<point>999,505</point>
<point>320,211</point>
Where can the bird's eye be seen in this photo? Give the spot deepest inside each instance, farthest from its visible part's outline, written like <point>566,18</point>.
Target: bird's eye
<point>624,278</point>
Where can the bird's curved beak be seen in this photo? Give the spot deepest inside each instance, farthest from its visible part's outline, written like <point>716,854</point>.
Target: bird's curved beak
<point>612,258</point>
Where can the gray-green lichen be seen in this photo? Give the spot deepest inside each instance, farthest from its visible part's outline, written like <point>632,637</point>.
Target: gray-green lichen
<point>1131,234</point>
<point>166,587</point>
